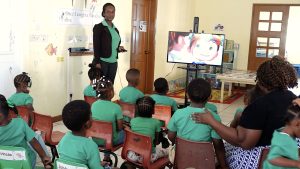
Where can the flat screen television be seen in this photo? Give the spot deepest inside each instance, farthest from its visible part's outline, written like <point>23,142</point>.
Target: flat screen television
<point>195,48</point>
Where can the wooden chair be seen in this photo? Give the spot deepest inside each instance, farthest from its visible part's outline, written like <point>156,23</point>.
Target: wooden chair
<point>44,124</point>
<point>162,113</point>
<point>90,100</point>
<point>142,145</point>
<point>127,109</point>
<point>24,112</point>
<point>191,154</point>
<point>263,156</point>
<point>104,130</point>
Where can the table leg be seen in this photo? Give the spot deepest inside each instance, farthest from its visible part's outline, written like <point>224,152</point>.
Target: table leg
<point>230,88</point>
<point>222,92</point>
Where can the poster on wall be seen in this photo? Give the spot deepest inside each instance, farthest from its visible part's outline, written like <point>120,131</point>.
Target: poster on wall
<point>78,17</point>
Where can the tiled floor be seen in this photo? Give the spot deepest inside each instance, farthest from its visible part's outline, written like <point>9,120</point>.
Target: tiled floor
<point>226,112</point>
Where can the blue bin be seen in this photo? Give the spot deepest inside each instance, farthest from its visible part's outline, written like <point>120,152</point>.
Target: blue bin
<point>297,68</point>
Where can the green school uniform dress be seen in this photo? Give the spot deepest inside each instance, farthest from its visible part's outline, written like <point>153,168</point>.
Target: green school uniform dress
<point>89,91</point>
<point>211,107</point>
<point>282,145</point>
<point>17,133</point>
<point>146,126</point>
<point>165,100</point>
<point>80,150</point>
<point>20,99</point>
<point>186,128</point>
<point>115,39</point>
<point>130,94</point>
<point>107,111</point>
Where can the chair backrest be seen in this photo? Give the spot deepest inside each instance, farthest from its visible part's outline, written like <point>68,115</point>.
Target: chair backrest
<point>103,130</point>
<point>64,164</point>
<point>191,154</point>
<point>162,113</point>
<point>44,124</point>
<point>127,109</point>
<point>14,158</point>
<point>263,156</point>
<point>24,112</point>
<point>90,100</point>
<point>137,143</point>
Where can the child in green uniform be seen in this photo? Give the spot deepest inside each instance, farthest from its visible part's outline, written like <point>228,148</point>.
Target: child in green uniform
<point>211,106</point>
<point>161,87</point>
<point>93,73</point>
<point>284,150</point>
<point>106,110</point>
<point>181,125</point>
<point>74,146</point>
<point>146,125</point>
<point>15,132</point>
<point>130,93</point>
<point>250,96</point>
<point>22,98</point>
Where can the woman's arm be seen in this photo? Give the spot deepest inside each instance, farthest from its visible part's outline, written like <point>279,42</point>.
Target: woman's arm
<point>172,136</point>
<point>236,119</point>
<point>220,152</point>
<point>96,44</point>
<point>241,137</point>
<point>285,162</point>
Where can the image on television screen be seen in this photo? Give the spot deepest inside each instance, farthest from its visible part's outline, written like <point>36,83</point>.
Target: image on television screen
<point>195,48</point>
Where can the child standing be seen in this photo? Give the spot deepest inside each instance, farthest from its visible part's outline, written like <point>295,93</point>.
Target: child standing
<point>93,73</point>
<point>250,96</point>
<point>74,146</point>
<point>181,125</point>
<point>130,93</point>
<point>22,98</point>
<point>146,125</point>
<point>15,132</point>
<point>161,87</point>
<point>284,150</point>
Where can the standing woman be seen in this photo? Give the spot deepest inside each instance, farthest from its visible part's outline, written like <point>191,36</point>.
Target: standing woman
<point>106,40</point>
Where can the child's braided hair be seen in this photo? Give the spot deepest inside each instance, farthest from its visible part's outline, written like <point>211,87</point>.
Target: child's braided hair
<point>102,87</point>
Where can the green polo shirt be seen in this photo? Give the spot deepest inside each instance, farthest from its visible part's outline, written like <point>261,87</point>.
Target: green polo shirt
<point>186,128</point>
<point>165,100</point>
<point>115,40</point>
<point>20,99</point>
<point>107,111</point>
<point>282,145</point>
<point>79,150</point>
<point>146,126</point>
<point>130,94</point>
<point>17,133</point>
<point>89,91</point>
<point>211,107</point>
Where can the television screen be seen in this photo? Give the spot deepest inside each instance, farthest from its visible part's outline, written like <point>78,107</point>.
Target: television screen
<point>195,48</point>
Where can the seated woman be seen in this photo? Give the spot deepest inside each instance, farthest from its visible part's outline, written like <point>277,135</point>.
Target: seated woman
<point>260,118</point>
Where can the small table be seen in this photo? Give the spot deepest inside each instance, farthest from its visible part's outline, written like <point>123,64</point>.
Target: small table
<point>235,76</point>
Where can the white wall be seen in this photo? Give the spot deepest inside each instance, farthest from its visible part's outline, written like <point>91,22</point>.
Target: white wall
<point>236,17</point>
<point>293,36</point>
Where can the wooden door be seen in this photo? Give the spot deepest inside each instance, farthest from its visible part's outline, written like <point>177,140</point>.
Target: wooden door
<point>142,41</point>
<point>268,33</point>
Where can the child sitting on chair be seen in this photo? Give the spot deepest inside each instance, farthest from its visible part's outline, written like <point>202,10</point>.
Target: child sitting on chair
<point>22,98</point>
<point>181,125</point>
<point>284,150</point>
<point>161,87</point>
<point>250,96</point>
<point>15,132</point>
<point>146,125</point>
<point>130,93</point>
<point>93,73</point>
<point>106,110</point>
<point>74,146</point>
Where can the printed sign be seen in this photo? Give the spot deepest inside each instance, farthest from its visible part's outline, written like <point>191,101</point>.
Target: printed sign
<point>78,17</point>
<point>143,26</point>
<point>12,155</point>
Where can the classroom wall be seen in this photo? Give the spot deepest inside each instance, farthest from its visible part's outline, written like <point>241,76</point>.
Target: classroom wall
<point>172,15</point>
<point>49,73</point>
<point>236,17</point>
